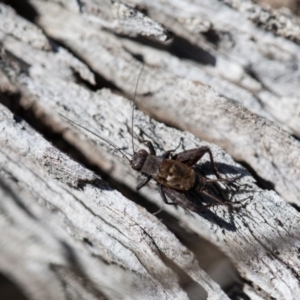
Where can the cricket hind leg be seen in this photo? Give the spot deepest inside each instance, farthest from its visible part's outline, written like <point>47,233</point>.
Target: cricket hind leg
<point>224,180</point>
<point>189,201</point>
<point>204,207</point>
<point>227,194</point>
<point>215,199</point>
<point>229,204</point>
<point>191,157</point>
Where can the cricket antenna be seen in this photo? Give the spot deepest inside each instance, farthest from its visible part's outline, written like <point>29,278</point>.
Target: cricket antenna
<point>133,106</point>
<point>100,137</point>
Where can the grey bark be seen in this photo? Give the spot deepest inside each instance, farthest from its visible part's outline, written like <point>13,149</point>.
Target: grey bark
<point>61,220</point>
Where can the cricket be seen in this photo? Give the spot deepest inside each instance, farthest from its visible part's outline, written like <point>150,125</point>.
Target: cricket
<point>174,174</point>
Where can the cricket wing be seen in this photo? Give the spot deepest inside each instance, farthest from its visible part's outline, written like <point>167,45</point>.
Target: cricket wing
<point>180,198</point>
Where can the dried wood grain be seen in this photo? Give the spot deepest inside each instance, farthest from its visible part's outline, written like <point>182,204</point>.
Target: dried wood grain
<point>246,63</point>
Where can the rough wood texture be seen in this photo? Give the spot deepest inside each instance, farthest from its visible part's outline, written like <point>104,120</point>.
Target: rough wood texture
<point>86,239</point>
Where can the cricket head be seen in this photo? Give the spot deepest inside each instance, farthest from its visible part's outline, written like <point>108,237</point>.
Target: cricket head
<point>138,159</point>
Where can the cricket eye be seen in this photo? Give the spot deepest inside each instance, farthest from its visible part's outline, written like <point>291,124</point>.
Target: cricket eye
<point>137,164</point>
<point>134,166</point>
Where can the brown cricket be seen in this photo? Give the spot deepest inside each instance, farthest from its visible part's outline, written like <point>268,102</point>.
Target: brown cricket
<point>174,174</point>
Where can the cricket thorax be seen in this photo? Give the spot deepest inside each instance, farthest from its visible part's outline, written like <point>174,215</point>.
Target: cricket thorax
<point>151,165</point>
<point>176,175</point>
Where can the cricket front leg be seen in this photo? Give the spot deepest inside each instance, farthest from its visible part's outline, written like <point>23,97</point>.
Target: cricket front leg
<point>150,146</point>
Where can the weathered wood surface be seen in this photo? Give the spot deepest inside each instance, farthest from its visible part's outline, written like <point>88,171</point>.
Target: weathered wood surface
<point>104,245</point>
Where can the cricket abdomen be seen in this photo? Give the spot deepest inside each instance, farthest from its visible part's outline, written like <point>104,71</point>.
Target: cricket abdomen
<point>176,175</point>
